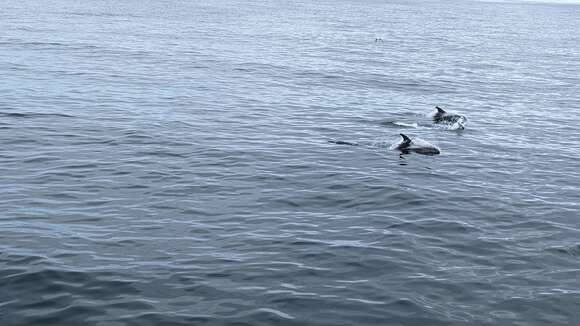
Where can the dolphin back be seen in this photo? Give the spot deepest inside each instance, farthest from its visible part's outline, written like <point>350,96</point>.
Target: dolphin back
<point>417,145</point>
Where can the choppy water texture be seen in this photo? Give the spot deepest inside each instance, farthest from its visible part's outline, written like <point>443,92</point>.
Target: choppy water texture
<point>167,163</point>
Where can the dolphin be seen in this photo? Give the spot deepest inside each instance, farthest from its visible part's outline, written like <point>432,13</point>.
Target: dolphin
<point>451,119</point>
<point>407,145</point>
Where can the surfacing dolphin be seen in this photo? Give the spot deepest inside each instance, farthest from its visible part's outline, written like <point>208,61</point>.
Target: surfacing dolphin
<point>407,145</point>
<point>454,120</point>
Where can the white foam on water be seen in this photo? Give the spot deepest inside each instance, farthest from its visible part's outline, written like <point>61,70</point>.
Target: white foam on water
<point>406,124</point>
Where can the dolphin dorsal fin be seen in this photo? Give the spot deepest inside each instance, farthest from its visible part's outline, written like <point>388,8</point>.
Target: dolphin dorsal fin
<point>406,140</point>
<point>440,110</point>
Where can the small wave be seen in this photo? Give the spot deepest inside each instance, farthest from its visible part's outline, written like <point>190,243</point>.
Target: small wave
<point>396,124</point>
<point>573,250</point>
<point>278,313</point>
<point>32,44</point>
<point>33,115</point>
<point>405,124</point>
<point>103,15</point>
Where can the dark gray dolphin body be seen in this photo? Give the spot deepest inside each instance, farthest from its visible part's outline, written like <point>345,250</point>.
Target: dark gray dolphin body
<point>444,117</point>
<point>408,145</point>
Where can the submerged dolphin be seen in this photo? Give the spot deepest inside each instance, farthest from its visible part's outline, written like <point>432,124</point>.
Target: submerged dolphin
<point>407,145</point>
<point>451,119</point>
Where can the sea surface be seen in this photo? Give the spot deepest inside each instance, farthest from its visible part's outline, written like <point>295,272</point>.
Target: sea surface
<point>168,162</point>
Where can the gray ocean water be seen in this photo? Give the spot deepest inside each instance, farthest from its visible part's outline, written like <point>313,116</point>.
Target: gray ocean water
<point>167,163</point>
